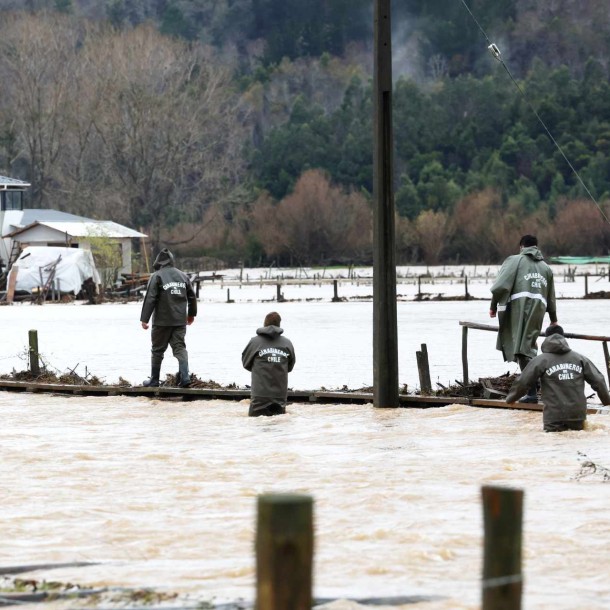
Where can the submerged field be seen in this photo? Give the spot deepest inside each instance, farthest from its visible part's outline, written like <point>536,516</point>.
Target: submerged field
<point>163,493</point>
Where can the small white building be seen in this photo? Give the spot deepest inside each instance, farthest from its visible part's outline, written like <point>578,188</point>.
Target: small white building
<point>38,227</point>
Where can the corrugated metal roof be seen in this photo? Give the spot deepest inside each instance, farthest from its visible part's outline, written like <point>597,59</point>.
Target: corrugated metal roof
<point>7,183</point>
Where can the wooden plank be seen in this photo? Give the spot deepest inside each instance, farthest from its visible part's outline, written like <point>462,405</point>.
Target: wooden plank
<point>432,401</point>
<point>299,396</point>
<point>501,404</point>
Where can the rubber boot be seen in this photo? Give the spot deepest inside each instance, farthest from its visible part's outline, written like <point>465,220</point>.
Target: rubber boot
<point>153,380</point>
<point>183,378</point>
<point>531,397</point>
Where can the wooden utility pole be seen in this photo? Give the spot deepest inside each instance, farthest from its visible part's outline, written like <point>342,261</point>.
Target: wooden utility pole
<point>385,339</point>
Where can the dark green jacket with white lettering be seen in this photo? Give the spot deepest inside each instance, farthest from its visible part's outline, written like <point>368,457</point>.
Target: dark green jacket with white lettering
<point>523,292</point>
<point>562,373</point>
<point>270,357</point>
<point>169,295</point>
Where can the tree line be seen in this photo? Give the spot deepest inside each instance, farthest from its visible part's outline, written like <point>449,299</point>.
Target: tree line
<point>244,156</point>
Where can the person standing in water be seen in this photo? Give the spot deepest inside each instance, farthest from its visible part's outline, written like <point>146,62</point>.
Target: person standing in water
<point>562,373</point>
<point>521,295</point>
<point>270,357</point>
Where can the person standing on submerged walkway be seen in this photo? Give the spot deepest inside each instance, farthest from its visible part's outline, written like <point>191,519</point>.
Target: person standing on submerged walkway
<point>562,373</point>
<point>171,301</point>
<point>522,293</point>
<point>270,357</point>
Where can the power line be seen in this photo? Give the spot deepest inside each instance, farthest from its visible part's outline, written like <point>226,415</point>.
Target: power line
<point>495,51</point>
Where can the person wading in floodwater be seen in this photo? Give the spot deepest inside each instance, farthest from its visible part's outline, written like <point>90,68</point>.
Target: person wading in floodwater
<point>562,373</point>
<point>270,357</point>
<point>523,292</point>
<point>172,303</point>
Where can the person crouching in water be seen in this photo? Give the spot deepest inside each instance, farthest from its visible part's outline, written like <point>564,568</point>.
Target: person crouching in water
<point>172,303</point>
<point>270,357</point>
<point>562,373</point>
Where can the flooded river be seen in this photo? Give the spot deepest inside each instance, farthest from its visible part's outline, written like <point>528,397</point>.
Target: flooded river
<point>163,494</point>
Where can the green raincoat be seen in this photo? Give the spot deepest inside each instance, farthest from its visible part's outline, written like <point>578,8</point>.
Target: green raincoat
<point>523,292</point>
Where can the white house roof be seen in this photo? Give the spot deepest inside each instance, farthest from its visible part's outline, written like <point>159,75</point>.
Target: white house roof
<point>12,184</point>
<point>31,215</point>
<point>68,224</point>
<point>85,228</point>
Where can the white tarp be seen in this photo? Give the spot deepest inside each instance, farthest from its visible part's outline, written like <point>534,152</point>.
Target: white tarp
<point>74,267</point>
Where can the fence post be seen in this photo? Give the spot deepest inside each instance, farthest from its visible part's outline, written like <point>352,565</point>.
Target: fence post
<point>503,525</point>
<point>466,287</point>
<point>34,362</point>
<point>423,367</point>
<point>465,354</point>
<point>586,284</point>
<point>336,298</point>
<point>284,552</point>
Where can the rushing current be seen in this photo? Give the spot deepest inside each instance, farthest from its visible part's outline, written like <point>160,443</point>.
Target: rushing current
<point>163,493</point>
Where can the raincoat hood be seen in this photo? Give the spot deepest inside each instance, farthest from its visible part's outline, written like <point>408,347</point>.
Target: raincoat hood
<point>533,252</point>
<point>164,259</point>
<point>555,344</point>
<point>270,331</point>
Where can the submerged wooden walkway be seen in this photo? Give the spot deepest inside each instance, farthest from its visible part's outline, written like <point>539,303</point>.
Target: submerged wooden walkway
<point>301,396</point>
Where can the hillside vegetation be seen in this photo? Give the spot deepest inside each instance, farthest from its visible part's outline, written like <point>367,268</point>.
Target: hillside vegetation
<point>242,129</point>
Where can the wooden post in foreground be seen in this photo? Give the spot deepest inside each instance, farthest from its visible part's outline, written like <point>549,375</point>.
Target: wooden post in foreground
<point>385,322</point>
<point>34,362</point>
<point>586,284</point>
<point>284,552</point>
<point>503,524</point>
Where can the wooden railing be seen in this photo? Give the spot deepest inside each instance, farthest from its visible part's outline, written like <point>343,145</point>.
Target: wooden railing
<point>476,326</point>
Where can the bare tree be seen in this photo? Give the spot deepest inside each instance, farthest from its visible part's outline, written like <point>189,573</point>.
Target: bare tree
<point>317,222</point>
<point>433,229</point>
<point>38,57</point>
<point>169,125</point>
<point>579,229</point>
<point>472,218</point>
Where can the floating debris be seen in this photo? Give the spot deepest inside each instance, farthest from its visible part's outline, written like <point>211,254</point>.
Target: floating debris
<point>589,468</point>
<point>485,387</point>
